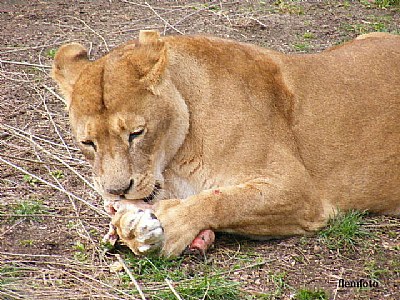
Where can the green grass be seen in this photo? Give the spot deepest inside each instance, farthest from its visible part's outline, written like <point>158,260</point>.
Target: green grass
<point>210,288</point>
<point>395,266</point>
<point>29,208</point>
<point>302,46</point>
<point>344,231</point>
<point>205,282</point>
<point>27,243</point>
<point>57,174</point>
<point>366,27</point>
<point>287,7</point>
<point>306,294</point>
<point>51,53</point>
<point>30,180</point>
<point>342,41</point>
<point>80,254</point>
<point>387,3</point>
<point>308,35</point>
<point>8,274</point>
<point>155,269</point>
<point>280,284</point>
<point>375,271</point>
<point>346,4</point>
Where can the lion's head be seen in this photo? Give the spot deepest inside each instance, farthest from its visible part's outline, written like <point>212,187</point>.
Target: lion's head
<point>125,113</point>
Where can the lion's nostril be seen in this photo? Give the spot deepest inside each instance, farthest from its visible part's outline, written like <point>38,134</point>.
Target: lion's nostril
<point>121,191</point>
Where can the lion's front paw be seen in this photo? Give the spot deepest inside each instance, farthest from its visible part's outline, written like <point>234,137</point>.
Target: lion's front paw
<point>180,225</point>
<point>140,230</point>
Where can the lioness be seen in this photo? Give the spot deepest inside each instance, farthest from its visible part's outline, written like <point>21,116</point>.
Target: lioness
<point>233,137</point>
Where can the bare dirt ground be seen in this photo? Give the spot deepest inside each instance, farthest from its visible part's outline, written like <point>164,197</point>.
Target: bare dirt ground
<point>51,220</point>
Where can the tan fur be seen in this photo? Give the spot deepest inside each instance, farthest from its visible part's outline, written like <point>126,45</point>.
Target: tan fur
<point>240,138</point>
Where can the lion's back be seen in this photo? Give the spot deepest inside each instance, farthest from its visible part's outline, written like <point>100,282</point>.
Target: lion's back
<point>346,120</point>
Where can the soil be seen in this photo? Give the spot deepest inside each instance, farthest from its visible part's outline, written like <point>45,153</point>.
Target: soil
<point>45,252</point>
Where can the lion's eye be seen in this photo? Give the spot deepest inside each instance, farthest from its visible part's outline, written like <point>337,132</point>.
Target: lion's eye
<point>89,144</point>
<point>135,134</point>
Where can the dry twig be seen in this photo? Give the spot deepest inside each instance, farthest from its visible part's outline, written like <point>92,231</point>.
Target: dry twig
<point>94,31</point>
<point>46,216</point>
<point>56,157</point>
<point>30,160</point>
<point>21,133</point>
<point>2,74</point>
<point>161,18</point>
<point>137,286</point>
<point>108,286</point>
<point>22,63</point>
<point>86,233</point>
<point>99,211</point>
<point>172,289</point>
<point>52,121</point>
<point>53,93</point>
<point>141,5</point>
<point>16,49</point>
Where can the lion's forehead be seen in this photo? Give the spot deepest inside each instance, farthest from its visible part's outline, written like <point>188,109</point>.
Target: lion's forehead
<point>106,84</point>
<point>105,123</point>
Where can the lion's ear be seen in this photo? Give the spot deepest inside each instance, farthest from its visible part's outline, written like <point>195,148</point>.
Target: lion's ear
<point>148,37</point>
<point>150,58</point>
<point>68,64</point>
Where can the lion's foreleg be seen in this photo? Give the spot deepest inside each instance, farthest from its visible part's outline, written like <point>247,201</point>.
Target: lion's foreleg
<point>264,207</point>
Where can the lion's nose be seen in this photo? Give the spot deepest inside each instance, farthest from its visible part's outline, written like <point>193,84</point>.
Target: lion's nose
<point>121,190</point>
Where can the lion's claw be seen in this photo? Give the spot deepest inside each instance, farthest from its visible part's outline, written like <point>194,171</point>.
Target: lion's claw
<point>111,237</point>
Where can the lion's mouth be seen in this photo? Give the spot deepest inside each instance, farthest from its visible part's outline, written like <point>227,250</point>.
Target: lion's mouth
<point>148,199</point>
<point>153,194</point>
<point>113,206</point>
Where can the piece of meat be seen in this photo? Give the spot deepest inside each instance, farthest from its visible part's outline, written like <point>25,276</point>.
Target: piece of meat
<point>131,205</point>
<point>112,206</point>
<point>203,241</point>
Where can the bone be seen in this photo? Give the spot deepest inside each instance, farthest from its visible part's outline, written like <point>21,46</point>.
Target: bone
<point>131,205</point>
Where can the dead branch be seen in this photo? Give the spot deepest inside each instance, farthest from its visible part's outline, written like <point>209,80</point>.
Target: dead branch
<point>141,5</point>
<point>16,49</point>
<point>21,132</point>
<point>99,282</point>
<point>86,235</point>
<point>172,289</point>
<point>52,121</point>
<point>53,93</point>
<point>137,286</point>
<point>161,18</point>
<point>92,30</point>
<point>22,63</point>
<point>30,160</point>
<point>56,157</point>
<point>49,216</point>
<point>12,79</point>
<point>62,190</point>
